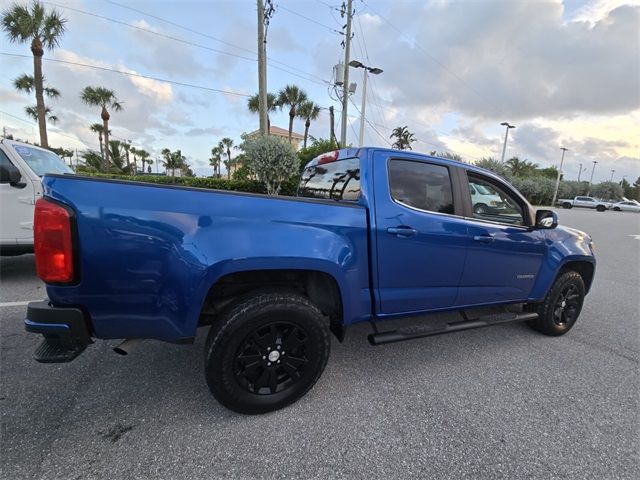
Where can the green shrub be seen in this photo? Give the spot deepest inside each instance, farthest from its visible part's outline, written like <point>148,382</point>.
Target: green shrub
<point>272,159</point>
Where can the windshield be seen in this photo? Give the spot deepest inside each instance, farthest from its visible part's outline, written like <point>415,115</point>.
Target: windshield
<point>483,190</point>
<point>42,161</point>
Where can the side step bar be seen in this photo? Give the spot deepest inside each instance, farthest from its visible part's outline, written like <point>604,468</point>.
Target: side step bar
<point>426,330</point>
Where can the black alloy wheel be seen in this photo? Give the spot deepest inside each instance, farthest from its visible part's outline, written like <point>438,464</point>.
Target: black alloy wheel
<point>272,358</point>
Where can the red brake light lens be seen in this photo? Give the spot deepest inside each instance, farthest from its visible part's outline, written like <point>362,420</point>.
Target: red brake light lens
<point>53,243</point>
<point>328,157</point>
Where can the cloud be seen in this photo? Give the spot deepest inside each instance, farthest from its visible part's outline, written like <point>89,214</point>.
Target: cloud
<point>205,132</point>
<point>597,10</point>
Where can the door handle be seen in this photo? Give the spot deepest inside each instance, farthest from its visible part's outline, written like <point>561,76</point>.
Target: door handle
<point>484,238</point>
<point>402,231</point>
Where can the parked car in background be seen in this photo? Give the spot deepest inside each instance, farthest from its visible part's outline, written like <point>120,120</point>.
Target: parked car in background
<point>626,205</point>
<point>21,167</point>
<point>585,202</point>
<point>484,199</point>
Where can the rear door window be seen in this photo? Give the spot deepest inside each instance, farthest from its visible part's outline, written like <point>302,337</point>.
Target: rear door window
<point>420,185</point>
<point>339,180</point>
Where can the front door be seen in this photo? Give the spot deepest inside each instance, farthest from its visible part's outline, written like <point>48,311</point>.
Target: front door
<point>504,255</point>
<point>420,235</point>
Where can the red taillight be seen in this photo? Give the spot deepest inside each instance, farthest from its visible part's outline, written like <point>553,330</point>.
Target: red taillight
<point>53,242</point>
<point>328,157</point>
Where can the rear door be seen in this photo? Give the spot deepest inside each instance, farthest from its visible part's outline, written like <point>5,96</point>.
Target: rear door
<point>420,234</point>
<point>504,254</point>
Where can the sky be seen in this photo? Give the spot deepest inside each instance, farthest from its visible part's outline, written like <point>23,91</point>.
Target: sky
<point>565,73</point>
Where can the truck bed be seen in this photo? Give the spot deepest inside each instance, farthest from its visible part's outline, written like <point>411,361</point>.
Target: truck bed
<point>153,251</point>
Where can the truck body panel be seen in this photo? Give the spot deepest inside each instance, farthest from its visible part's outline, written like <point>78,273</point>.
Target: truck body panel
<point>150,254</point>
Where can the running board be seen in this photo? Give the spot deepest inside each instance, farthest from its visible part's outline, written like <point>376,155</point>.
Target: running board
<point>426,330</point>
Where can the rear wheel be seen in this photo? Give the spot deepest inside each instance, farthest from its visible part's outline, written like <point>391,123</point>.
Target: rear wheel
<point>562,306</point>
<point>616,209</point>
<point>566,205</point>
<point>266,352</point>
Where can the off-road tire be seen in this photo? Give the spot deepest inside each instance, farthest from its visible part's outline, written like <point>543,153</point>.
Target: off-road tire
<point>245,330</point>
<point>551,308</point>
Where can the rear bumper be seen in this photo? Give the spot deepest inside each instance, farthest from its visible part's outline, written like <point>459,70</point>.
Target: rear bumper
<point>65,325</point>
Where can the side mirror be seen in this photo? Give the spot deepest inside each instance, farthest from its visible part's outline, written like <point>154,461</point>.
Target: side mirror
<point>546,219</point>
<point>11,175</point>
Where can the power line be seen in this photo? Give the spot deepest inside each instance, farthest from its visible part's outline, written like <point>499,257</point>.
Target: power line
<point>56,130</point>
<point>197,45</point>
<point>131,74</point>
<point>332,30</point>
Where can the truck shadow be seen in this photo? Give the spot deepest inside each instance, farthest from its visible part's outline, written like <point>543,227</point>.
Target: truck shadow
<point>21,267</point>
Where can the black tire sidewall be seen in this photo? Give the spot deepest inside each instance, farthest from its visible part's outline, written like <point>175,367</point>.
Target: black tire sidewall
<point>545,323</point>
<point>247,316</point>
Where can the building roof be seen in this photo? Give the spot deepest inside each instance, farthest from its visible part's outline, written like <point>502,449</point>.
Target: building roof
<point>280,132</point>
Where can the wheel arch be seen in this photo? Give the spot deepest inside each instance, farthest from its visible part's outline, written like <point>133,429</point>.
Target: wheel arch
<point>320,286</point>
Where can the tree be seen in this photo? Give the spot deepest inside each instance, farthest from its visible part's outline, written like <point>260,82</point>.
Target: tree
<point>97,128</point>
<point>272,105</point>
<point>103,98</point>
<point>521,168</point>
<point>43,29</point>
<point>493,165</point>
<point>318,147</point>
<point>308,111</point>
<point>214,161</point>
<point>143,155</point>
<point>174,161</point>
<point>291,96</point>
<point>92,161</point>
<point>33,113</point>
<point>607,190</point>
<point>448,155</point>
<point>225,146</point>
<point>115,153</point>
<point>126,146</point>
<point>272,159</point>
<point>404,138</point>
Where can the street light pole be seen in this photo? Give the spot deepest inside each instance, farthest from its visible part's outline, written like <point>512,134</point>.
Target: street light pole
<point>555,192</point>
<point>367,70</point>
<point>612,172</point>
<point>262,72</point>
<point>579,173</point>
<point>506,134</point>
<point>591,179</point>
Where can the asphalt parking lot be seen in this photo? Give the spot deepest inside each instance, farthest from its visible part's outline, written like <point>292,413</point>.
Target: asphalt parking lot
<point>501,402</point>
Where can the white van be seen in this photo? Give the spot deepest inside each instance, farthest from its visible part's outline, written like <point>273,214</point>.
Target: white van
<point>485,199</point>
<point>21,166</point>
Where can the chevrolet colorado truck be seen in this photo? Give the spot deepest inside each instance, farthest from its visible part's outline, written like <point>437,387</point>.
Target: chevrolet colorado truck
<point>373,234</point>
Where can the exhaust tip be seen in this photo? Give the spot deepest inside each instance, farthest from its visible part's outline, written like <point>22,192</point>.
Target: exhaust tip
<point>127,346</point>
<point>120,351</point>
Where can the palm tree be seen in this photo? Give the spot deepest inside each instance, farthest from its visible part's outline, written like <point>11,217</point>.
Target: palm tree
<point>143,155</point>
<point>291,96</point>
<point>43,29</point>
<point>115,154</point>
<point>173,160</point>
<point>149,163</point>
<point>103,98</point>
<point>272,105</point>
<point>308,111</point>
<point>97,128</point>
<point>126,146</point>
<point>214,161</point>
<point>225,146</point>
<point>33,113</point>
<point>404,138</point>
<point>520,168</point>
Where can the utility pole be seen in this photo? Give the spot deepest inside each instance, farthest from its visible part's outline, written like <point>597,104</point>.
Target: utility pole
<point>506,135</point>
<point>332,119</point>
<point>591,179</point>
<point>612,172</point>
<point>579,173</point>
<point>555,192</point>
<point>345,84</point>
<point>262,70</point>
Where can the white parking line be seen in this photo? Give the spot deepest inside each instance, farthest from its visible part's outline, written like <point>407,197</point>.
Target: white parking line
<point>15,304</point>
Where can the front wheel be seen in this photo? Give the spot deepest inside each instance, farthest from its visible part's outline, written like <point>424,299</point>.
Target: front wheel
<point>480,208</point>
<point>266,351</point>
<point>616,209</point>
<point>601,208</point>
<point>562,306</point>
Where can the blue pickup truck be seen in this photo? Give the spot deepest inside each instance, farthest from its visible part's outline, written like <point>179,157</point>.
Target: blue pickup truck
<point>373,234</point>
